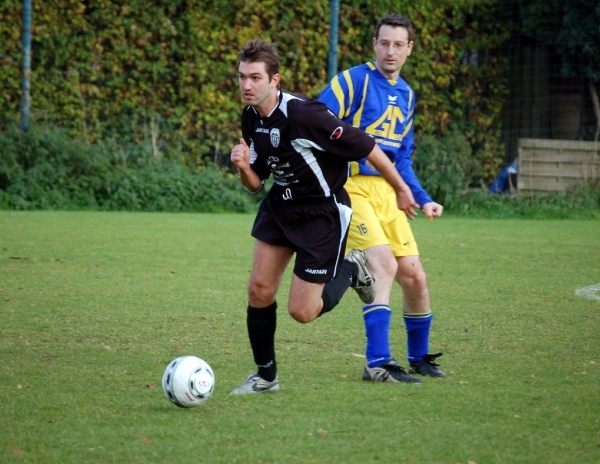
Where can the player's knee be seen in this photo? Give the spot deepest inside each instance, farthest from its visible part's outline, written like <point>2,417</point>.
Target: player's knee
<point>260,294</point>
<point>303,310</point>
<point>416,280</point>
<point>383,269</point>
<point>421,280</point>
<point>301,315</point>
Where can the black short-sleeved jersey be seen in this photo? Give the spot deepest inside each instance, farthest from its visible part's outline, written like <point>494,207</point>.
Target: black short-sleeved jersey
<point>304,145</point>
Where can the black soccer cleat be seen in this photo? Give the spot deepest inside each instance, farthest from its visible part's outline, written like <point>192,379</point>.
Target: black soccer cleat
<point>427,367</point>
<point>391,371</point>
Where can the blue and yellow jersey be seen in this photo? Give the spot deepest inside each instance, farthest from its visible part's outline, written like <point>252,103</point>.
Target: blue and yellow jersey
<point>382,108</point>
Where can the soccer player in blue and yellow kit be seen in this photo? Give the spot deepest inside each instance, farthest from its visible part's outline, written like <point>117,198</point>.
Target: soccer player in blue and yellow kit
<point>375,98</point>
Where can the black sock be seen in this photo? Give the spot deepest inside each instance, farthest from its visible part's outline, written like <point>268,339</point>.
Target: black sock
<point>334,289</point>
<point>262,323</point>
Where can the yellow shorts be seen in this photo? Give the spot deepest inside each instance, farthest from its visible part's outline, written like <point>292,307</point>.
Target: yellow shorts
<point>376,219</point>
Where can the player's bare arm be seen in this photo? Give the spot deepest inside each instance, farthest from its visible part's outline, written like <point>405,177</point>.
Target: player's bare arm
<point>240,157</point>
<point>432,210</point>
<point>406,201</point>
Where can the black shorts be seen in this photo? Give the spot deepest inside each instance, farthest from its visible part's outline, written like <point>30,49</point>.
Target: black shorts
<point>315,230</point>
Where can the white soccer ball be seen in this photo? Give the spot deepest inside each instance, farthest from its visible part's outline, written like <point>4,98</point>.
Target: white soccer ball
<point>188,381</point>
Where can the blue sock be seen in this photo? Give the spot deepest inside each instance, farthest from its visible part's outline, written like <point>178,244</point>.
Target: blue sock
<point>377,327</point>
<point>417,335</point>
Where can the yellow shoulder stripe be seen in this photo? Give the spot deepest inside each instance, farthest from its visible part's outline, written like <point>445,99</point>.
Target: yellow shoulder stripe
<point>339,95</point>
<point>359,111</point>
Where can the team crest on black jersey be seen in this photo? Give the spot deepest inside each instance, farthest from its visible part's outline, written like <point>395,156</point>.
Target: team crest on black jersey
<point>275,137</point>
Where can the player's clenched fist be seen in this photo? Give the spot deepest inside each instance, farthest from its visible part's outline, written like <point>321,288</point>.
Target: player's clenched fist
<point>240,155</point>
<point>432,210</point>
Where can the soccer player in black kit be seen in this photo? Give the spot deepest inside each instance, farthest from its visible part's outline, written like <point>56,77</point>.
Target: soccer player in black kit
<point>307,211</point>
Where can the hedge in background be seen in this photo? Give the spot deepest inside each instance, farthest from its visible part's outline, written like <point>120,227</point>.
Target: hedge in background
<point>46,170</point>
<point>163,72</point>
<point>445,167</point>
<point>582,201</point>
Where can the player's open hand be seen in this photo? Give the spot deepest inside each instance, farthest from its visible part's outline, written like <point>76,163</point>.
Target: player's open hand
<point>432,210</point>
<point>407,203</point>
<point>240,155</point>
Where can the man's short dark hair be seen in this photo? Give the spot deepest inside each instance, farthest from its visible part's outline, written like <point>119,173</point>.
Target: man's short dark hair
<point>395,20</point>
<point>260,51</point>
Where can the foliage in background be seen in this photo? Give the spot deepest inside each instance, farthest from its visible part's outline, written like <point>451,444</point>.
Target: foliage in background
<point>570,26</point>
<point>165,71</point>
<point>44,169</point>
<point>149,88</point>
<point>445,166</point>
<point>580,202</point>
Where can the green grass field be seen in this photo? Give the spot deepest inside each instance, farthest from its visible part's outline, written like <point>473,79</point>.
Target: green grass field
<point>93,306</point>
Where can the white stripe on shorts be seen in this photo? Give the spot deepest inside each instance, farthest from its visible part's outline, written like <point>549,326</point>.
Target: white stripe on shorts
<point>345,217</point>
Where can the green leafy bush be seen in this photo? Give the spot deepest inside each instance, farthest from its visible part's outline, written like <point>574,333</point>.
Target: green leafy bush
<point>141,69</point>
<point>44,169</point>
<point>445,166</point>
<point>446,169</point>
<point>580,202</point>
